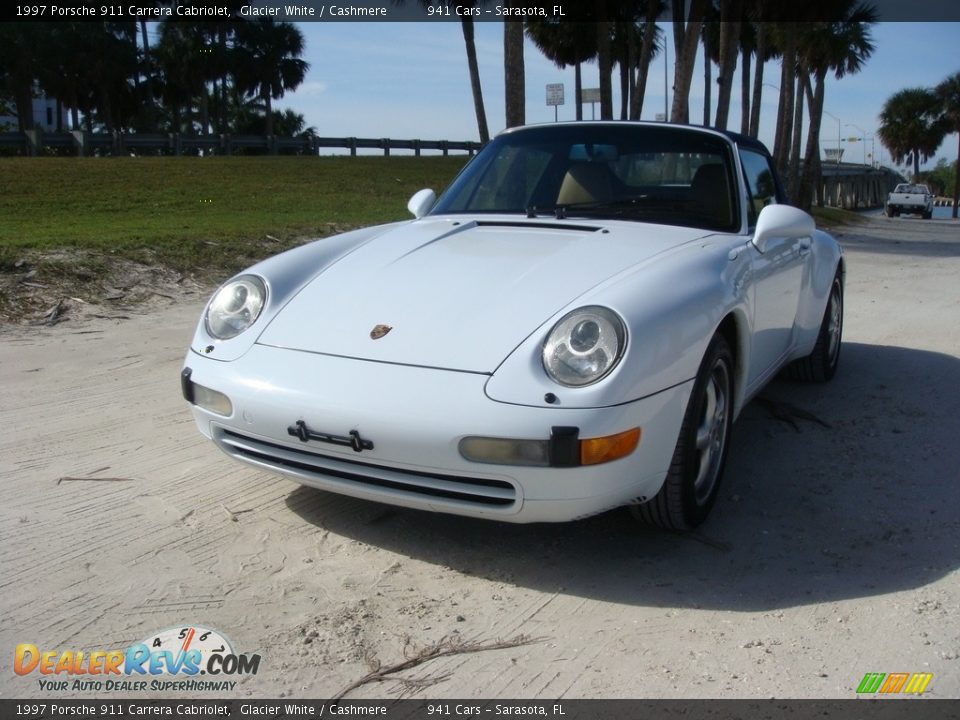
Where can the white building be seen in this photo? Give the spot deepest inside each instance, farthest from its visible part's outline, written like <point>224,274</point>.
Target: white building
<point>44,116</point>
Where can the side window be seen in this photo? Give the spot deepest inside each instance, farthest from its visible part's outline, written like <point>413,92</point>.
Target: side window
<point>761,188</point>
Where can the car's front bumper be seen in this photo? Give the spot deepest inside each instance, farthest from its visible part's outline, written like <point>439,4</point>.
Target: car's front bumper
<point>415,419</point>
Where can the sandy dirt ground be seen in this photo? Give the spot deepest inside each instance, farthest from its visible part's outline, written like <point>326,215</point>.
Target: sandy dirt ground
<point>834,549</point>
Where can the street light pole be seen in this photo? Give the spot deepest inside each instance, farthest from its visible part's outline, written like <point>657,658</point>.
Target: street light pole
<point>863,133</point>
<point>838,133</point>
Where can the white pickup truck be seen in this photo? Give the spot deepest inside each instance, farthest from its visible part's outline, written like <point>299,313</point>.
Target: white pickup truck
<point>907,199</point>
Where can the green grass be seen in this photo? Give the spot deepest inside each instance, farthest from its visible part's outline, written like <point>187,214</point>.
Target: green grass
<point>199,214</point>
<point>833,217</point>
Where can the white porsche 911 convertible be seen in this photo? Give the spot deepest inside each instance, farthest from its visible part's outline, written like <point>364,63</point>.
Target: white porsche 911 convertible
<point>574,325</point>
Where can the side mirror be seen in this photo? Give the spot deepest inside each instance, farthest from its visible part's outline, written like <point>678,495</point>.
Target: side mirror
<point>781,221</point>
<point>421,202</point>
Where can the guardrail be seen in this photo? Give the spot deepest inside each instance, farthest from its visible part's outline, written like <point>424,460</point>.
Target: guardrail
<point>35,142</point>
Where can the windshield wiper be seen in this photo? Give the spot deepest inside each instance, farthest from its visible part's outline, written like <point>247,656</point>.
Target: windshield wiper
<point>560,211</point>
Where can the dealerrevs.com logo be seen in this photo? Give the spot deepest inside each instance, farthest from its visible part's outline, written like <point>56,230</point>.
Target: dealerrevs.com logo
<point>172,659</point>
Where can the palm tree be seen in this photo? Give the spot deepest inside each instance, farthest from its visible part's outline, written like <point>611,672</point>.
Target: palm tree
<point>787,41</point>
<point>765,49</point>
<point>20,61</point>
<point>179,83</point>
<point>466,24</point>
<point>565,43</point>
<point>949,93</point>
<point>649,48</point>
<point>911,125</point>
<point>469,41</point>
<point>686,35</point>
<point>710,39</point>
<point>729,43</point>
<point>269,61</point>
<point>634,44</point>
<point>843,47</point>
<point>513,74</point>
<point>604,31</point>
<point>62,74</point>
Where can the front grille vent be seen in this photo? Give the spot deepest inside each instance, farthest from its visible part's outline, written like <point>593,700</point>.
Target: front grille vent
<point>331,472</point>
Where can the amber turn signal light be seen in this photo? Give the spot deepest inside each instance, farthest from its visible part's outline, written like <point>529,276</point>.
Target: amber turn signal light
<point>594,451</point>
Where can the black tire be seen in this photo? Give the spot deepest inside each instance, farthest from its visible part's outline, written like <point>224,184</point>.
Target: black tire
<point>821,364</point>
<point>688,493</point>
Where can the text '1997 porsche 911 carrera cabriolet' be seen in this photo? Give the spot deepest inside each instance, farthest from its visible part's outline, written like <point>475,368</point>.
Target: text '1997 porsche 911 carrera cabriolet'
<point>572,326</point>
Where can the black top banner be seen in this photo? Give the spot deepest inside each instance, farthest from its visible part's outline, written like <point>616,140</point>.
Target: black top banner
<point>439,11</point>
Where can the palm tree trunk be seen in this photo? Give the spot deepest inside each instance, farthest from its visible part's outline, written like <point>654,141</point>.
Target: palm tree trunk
<point>810,181</point>
<point>729,40</point>
<point>686,42</point>
<point>781,146</point>
<point>793,171</point>
<point>956,181</point>
<point>146,57</point>
<point>466,24</point>
<point>268,102</point>
<point>632,61</point>
<point>578,89</point>
<point>24,103</point>
<point>513,74</point>
<point>745,93</point>
<point>605,64</point>
<point>624,89</point>
<point>758,80</point>
<point>646,50</point>
<point>707,83</point>
<point>204,110</point>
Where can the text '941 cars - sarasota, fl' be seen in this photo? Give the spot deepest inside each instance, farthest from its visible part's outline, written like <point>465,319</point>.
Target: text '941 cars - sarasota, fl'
<point>573,326</point>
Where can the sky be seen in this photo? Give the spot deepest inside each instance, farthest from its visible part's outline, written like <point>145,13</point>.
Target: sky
<point>408,80</point>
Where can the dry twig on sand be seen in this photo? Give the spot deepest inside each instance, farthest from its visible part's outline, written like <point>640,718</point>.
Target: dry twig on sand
<point>445,647</point>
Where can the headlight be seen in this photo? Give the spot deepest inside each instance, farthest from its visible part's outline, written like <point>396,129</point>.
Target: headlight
<point>584,346</point>
<point>235,307</point>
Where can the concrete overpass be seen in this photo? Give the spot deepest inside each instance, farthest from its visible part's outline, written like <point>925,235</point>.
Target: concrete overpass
<point>852,186</point>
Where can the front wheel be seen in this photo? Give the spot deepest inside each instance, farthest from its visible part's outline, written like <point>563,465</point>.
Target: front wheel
<point>688,493</point>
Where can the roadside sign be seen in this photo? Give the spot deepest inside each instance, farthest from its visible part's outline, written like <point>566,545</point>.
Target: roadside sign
<point>554,94</point>
<point>554,97</point>
<point>590,95</point>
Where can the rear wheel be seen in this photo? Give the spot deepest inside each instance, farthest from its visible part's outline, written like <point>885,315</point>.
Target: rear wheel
<point>821,364</point>
<point>688,493</point>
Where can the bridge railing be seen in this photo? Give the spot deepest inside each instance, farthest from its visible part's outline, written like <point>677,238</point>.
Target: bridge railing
<point>37,142</point>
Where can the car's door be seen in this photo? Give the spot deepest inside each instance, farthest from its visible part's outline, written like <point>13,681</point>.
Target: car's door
<point>778,273</point>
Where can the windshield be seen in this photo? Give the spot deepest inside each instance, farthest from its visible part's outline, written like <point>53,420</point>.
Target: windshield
<point>670,175</point>
<point>914,189</point>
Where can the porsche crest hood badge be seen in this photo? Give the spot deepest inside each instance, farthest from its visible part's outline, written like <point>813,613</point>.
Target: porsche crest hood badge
<point>379,331</point>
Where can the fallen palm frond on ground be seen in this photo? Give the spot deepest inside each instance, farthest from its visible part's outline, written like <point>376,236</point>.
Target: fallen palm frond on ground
<point>445,647</point>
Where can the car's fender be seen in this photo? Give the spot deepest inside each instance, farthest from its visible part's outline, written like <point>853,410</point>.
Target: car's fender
<point>285,275</point>
<point>671,305</point>
<point>826,258</point>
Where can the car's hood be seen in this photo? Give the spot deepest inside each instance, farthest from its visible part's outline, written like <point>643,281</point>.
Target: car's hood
<point>459,294</point>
